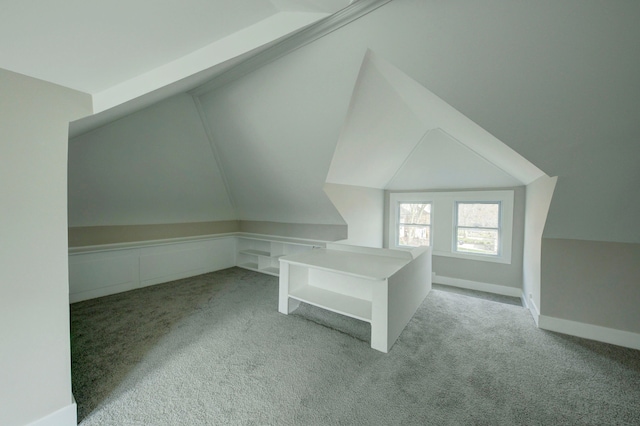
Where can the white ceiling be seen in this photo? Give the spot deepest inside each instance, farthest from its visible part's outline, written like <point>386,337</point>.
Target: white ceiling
<point>91,46</point>
<point>441,162</point>
<point>119,50</point>
<point>399,135</point>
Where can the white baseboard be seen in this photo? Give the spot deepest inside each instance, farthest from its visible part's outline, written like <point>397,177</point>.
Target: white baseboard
<point>530,304</point>
<point>66,416</point>
<point>589,331</point>
<point>477,285</point>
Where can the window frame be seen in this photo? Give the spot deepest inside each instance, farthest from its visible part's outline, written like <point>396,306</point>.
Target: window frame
<point>443,230</point>
<point>456,227</point>
<point>398,223</point>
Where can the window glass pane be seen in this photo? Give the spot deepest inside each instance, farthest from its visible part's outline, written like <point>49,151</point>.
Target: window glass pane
<point>480,215</point>
<point>415,213</point>
<point>413,235</point>
<point>481,241</point>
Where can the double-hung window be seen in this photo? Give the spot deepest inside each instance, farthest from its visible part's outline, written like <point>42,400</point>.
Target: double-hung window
<point>414,224</point>
<point>474,225</point>
<point>478,228</point>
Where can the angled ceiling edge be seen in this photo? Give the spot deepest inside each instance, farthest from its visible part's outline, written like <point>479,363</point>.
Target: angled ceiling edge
<point>440,161</point>
<point>378,133</point>
<point>436,113</point>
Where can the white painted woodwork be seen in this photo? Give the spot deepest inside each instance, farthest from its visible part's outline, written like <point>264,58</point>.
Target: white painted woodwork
<point>443,213</point>
<point>612,336</point>
<point>260,253</point>
<point>66,416</point>
<point>477,285</point>
<point>380,286</point>
<point>98,271</point>
<point>103,270</point>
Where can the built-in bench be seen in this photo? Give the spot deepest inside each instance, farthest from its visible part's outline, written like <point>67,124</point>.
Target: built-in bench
<point>96,271</point>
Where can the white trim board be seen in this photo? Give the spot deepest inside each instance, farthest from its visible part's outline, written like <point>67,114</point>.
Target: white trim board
<point>477,285</point>
<point>66,416</point>
<point>530,304</point>
<point>168,241</point>
<point>590,331</point>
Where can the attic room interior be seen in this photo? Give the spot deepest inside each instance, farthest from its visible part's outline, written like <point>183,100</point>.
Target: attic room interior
<point>144,155</point>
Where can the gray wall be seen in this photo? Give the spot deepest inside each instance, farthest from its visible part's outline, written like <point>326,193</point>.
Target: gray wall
<point>153,167</point>
<point>592,282</point>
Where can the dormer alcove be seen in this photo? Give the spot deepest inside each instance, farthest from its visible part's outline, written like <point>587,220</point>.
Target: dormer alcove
<point>400,140</point>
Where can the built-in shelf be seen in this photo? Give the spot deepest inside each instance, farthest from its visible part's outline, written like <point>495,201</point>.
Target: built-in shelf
<point>255,253</point>
<point>262,253</point>
<point>249,265</point>
<point>272,271</point>
<point>335,302</point>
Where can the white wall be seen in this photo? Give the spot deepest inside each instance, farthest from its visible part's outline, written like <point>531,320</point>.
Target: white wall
<point>35,355</point>
<point>153,167</point>
<point>362,209</point>
<point>538,198</point>
<point>276,137</point>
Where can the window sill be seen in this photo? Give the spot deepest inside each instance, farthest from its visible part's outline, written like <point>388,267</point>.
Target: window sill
<point>478,257</point>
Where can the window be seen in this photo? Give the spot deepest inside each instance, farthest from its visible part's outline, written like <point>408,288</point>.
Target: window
<point>414,224</point>
<point>475,225</point>
<point>478,228</point>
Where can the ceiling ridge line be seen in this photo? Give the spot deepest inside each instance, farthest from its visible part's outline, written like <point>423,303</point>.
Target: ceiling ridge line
<point>481,156</point>
<point>290,43</point>
<point>406,160</point>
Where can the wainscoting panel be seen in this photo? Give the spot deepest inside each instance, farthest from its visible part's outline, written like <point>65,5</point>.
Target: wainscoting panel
<point>101,271</point>
<point>172,262</point>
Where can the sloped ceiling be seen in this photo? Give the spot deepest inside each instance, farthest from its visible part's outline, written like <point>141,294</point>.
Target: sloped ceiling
<point>555,81</point>
<point>152,167</point>
<point>96,46</point>
<point>441,162</point>
<point>138,53</point>
<point>399,135</point>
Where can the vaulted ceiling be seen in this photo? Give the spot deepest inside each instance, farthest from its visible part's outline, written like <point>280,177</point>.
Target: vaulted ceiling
<point>555,82</point>
<point>129,55</point>
<point>398,135</point>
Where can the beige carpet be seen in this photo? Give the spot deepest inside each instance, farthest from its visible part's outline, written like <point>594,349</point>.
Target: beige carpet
<point>213,350</point>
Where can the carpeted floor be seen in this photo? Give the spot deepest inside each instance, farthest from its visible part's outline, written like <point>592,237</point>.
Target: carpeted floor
<point>213,350</point>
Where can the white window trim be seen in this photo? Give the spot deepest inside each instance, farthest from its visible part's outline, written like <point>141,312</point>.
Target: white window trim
<point>443,220</point>
<point>396,241</point>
